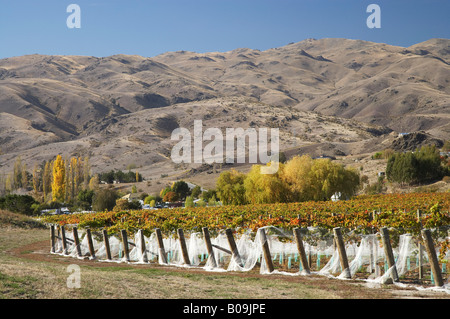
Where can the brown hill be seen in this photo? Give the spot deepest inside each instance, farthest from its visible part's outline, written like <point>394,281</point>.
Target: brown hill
<point>328,96</point>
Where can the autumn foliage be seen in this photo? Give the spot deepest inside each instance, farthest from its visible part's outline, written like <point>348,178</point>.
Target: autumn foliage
<point>392,210</point>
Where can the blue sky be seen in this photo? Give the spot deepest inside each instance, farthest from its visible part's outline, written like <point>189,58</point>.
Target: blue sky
<point>152,27</point>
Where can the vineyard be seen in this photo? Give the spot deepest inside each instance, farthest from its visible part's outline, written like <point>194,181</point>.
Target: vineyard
<point>363,215</point>
<point>383,237</point>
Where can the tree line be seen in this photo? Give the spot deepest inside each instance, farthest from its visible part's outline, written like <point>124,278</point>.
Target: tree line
<point>60,179</point>
<point>53,182</point>
<point>299,179</point>
<point>120,177</point>
<point>425,165</point>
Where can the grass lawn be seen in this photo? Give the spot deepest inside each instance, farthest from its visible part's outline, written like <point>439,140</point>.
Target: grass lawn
<point>29,271</point>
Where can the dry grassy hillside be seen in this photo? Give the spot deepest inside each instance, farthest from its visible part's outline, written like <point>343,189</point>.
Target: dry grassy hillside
<point>336,97</point>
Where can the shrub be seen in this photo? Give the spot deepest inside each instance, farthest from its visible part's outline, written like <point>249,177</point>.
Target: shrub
<point>104,199</point>
<point>124,204</point>
<point>422,166</point>
<point>18,204</point>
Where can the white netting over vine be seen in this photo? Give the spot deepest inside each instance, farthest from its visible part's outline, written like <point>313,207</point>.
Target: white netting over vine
<point>365,253</point>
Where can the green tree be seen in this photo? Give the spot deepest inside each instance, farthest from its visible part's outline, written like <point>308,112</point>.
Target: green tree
<point>85,198</point>
<point>211,193</point>
<point>265,188</point>
<point>17,173</point>
<point>446,146</point>
<point>230,188</point>
<point>422,166</point>
<point>328,178</point>
<point>18,203</point>
<point>149,199</point>
<point>189,202</point>
<point>181,188</point>
<point>429,164</point>
<point>104,199</point>
<point>196,191</point>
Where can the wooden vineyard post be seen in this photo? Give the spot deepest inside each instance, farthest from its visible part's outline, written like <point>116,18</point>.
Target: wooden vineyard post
<point>309,258</point>
<point>420,255</point>
<point>233,247</point>
<point>143,248</point>
<point>52,238</point>
<point>125,244</point>
<point>301,250</point>
<point>162,251</point>
<point>342,253</point>
<point>106,241</point>
<point>371,257</point>
<point>431,251</point>
<point>64,240</point>
<point>266,251</point>
<point>184,250</point>
<point>90,243</point>
<point>388,253</point>
<point>209,247</point>
<point>76,240</point>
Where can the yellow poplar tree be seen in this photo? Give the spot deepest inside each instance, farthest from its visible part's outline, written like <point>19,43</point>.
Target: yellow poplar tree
<point>24,176</point>
<point>86,173</point>
<point>17,174</point>
<point>47,179</point>
<point>36,181</point>
<point>74,177</point>
<point>67,194</point>
<point>94,182</point>
<point>58,184</point>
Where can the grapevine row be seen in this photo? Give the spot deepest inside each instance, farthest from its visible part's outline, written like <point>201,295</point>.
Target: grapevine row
<point>363,214</point>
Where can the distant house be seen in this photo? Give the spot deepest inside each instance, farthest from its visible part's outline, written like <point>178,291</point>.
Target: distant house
<point>402,134</point>
<point>131,197</point>
<point>336,197</point>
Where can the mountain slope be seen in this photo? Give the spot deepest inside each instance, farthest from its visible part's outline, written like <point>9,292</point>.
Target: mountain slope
<point>334,96</point>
